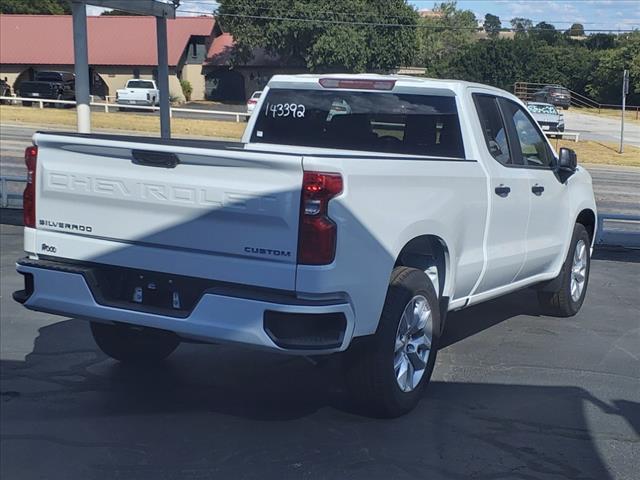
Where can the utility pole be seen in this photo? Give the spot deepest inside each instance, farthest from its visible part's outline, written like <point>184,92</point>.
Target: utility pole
<point>163,77</point>
<point>81,59</point>
<point>625,92</point>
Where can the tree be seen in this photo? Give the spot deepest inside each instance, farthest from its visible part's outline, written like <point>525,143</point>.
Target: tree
<point>492,25</point>
<point>521,25</point>
<point>502,62</point>
<point>605,80</point>
<point>34,7</point>
<point>576,30</point>
<point>324,35</point>
<point>447,31</point>
<point>546,32</point>
<point>601,41</point>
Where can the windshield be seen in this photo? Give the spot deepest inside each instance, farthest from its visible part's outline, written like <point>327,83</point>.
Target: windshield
<point>139,84</point>
<point>544,109</point>
<point>370,121</point>
<point>562,91</point>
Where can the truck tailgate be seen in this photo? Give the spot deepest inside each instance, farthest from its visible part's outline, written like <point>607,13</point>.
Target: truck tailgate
<point>220,213</point>
<point>133,94</point>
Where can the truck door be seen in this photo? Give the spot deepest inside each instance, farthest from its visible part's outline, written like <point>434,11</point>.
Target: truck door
<point>509,199</point>
<point>549,221</point>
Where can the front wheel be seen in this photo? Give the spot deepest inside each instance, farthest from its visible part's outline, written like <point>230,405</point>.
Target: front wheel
<point>570,287</point>
<point>134,345</point>
<point>387,372</point>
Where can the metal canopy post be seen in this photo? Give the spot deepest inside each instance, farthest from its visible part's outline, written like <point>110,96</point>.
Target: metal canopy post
<point>81,59</point>
<point>163,77</point>
<point>157,8</point>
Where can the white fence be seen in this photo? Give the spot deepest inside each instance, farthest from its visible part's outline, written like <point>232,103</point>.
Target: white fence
<point>109,107</point>
<point>574,135</point>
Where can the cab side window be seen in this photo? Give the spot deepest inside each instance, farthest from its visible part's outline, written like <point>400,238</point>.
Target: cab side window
<point>529,140</point>
<point>493,128</point>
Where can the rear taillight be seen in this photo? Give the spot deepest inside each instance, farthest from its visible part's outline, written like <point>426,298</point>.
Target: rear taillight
<point>318,233</point>
<point>252,101</point>
<point>29,195</point>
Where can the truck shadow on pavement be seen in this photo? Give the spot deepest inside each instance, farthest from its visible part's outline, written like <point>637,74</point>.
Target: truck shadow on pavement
<point>217,411</point>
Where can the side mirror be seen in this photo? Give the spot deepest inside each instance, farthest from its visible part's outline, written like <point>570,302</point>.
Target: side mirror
<point>568,160</point>
<point>567,163</point>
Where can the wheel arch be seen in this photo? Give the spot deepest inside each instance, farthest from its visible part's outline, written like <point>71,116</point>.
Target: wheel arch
<point>426,252</point>
<point>587,218</point>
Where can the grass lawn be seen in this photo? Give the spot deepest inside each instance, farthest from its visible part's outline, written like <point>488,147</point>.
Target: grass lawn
<point>602,153</point>
<point>122,121</point>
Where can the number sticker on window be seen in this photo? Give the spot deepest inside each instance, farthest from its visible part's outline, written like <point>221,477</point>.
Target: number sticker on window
<point>294,110</point>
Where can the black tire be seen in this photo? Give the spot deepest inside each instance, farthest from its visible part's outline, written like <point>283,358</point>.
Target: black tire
<point>559,302</point>
<point>132,345</point>
<point>369,362</point>
<point>565,107</point>
<point>26,104</point>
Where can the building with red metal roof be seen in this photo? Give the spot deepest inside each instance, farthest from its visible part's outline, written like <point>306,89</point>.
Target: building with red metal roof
<point>120,48</point>
<point>124,47</point>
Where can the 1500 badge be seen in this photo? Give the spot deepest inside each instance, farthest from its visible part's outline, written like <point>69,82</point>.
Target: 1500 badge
<point>48,248</point>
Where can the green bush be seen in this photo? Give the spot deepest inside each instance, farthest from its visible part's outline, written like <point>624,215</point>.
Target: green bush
<point>187,89</point>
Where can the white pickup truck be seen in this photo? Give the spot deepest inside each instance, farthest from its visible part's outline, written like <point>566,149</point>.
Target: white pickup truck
<point>138,92</point>
<point>321,232</point>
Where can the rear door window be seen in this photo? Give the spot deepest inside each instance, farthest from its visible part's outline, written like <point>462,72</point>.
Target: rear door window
<point>370,121</point>
<point>139,84</point>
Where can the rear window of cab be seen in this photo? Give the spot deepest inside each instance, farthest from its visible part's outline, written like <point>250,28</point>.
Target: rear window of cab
<point>368,121</point>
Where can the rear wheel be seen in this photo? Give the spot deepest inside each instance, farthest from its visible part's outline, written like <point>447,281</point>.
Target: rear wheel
<point>387,372</point>
<point>571,283</point>
<point>134,345</point>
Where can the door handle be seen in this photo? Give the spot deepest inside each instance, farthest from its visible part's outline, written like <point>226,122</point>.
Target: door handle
<point>154,159</point>
<point>502,191</point>
<point>537,190</point>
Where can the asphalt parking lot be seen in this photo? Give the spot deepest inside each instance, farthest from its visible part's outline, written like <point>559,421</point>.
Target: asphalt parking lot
<point>601,128</point>
<point>515,395</point>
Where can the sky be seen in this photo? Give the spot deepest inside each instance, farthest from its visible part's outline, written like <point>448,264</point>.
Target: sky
<point>593,14</point>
